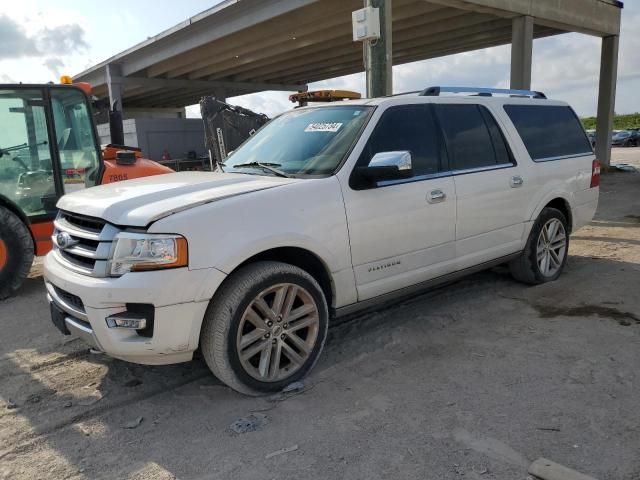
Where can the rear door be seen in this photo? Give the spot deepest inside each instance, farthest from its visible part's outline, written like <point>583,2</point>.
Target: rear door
<point>491,188</point>
<point>402,232</point>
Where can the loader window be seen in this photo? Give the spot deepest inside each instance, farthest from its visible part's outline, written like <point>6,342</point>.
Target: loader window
<point>75,139</point>
<point>26,176</point>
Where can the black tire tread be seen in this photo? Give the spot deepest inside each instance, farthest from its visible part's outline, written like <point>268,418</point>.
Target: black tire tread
<point>219,315</point>
<point>525,268</point>
<point>15,234</point>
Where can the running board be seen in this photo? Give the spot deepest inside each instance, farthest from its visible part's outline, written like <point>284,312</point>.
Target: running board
<point>406,292</point>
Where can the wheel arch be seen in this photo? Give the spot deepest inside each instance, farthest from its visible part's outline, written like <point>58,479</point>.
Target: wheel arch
<point>301,258</point>
<point>562,204</point>
<point>559,202</point>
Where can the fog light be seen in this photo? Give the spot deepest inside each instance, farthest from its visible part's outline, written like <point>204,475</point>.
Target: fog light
<point>127,320</point>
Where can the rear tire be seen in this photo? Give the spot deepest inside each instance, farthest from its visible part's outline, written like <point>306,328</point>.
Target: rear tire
<point>265,327</point>
<point>16,252</point>
<point>546,251</point>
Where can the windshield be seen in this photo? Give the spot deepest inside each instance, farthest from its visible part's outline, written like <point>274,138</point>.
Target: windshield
<point>306,141</point>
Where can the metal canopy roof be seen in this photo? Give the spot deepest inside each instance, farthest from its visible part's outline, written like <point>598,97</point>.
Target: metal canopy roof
<point>247,46</point>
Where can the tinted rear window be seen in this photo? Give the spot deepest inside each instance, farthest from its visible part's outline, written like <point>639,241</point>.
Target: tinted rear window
<point>549,132</point>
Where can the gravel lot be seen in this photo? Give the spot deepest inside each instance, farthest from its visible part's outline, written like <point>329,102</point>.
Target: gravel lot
<point>474,380</point>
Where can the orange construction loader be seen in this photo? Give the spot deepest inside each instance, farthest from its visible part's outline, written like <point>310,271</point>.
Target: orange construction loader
<point>49,147</point>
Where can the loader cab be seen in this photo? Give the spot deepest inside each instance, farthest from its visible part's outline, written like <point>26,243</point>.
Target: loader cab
<point>48,147</point>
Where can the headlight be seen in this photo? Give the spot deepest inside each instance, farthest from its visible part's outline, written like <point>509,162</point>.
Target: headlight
<point>135,252</point>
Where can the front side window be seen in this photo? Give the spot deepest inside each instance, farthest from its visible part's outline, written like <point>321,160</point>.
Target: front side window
<point>549,132</point>
<point>75,138</point>
<point>26,172</point>
<point>473,138</point>
<point>310,141</point>
<point>411,128</point>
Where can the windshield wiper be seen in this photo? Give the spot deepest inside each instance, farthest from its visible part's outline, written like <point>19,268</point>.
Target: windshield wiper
<point>266,166</point>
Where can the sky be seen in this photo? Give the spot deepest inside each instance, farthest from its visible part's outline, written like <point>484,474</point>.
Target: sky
<point>41,40</point>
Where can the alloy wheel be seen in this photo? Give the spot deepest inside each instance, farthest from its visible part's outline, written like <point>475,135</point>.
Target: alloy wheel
<point>277,332</point>
<point>551,247</point>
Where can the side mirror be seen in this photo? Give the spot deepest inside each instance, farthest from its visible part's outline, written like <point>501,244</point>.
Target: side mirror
<point>388,166</point>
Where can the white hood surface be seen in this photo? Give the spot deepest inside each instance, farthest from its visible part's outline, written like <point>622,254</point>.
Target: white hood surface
<point>139,202</point>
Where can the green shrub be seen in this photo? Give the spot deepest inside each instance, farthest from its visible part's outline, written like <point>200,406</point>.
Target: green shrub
<point>620,122</point>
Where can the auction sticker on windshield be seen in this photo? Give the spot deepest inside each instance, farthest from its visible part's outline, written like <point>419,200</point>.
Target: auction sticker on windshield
<point>323,127</point>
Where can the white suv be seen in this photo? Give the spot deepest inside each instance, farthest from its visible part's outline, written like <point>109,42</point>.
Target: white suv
<point>325,210</point>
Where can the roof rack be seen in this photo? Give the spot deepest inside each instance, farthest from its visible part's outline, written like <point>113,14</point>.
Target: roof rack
<point>487,92</point>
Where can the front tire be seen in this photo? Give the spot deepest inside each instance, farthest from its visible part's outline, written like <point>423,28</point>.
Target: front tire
<point>16,252</point>
<point>265,328</point>
<point>546,251</point>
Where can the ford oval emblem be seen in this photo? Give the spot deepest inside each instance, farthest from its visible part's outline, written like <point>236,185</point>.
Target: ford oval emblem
<point>64,240</point>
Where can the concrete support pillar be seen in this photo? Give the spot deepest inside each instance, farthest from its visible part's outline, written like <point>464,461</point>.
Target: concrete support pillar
<point>379,54</point>
<point>521,52</point>
<point>606,98</point>
<point>116,113</point>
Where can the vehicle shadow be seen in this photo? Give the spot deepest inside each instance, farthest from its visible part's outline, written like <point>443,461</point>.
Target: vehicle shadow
<point>82,415</point>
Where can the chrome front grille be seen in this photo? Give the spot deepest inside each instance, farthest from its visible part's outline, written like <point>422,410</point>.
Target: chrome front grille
<point>83,244</point>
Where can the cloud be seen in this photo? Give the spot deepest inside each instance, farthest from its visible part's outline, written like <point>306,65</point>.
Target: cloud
<point>62,39</point>
<point>54,65</point>
<point>16,43</point>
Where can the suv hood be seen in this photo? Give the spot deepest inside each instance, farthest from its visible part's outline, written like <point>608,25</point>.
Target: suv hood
<point>139,202</point>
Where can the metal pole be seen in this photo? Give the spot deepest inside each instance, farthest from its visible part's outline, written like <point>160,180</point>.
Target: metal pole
<point>116,114</point>
<point>379,57</point>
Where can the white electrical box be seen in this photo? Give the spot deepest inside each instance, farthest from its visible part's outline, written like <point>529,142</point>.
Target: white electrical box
<point>366,24</point>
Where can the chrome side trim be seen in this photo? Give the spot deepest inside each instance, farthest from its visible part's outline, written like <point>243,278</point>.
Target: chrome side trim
<point>418,288</point>
<point>70,309</point>
<point>488,168</point>
<point>564,157</point>
<point>448,173</point>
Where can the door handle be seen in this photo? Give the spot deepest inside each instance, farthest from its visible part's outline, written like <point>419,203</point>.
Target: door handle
<point>516,181</point>
<point>436,196</point>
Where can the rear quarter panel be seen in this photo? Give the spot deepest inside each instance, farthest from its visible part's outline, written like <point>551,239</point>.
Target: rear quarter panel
<point>566,178</point>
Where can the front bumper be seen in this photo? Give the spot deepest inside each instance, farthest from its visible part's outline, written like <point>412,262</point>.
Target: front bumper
<point>179,298</point>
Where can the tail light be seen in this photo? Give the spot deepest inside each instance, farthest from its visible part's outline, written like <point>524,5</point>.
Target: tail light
<point>595,173</point>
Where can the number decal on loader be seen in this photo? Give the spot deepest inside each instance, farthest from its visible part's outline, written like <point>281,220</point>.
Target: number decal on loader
<point>118,177</point>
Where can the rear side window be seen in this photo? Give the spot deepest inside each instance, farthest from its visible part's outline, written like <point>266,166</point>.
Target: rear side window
<point>407,127</point>
<point>549,132</point>
<point>473,138</point>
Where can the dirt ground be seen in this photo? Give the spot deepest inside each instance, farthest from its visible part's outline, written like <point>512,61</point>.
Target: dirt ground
<point>474,380</point>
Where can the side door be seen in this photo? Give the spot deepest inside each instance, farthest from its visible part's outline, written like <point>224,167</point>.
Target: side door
<point>27,172</point>
<point>402,232</point>
<point>491,187</point>
<point>75,138</point>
